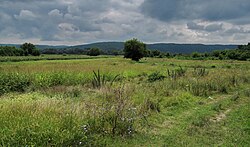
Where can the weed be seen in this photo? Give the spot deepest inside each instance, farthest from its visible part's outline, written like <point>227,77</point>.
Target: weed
<point>233,80</point>
<point>200,72</point>
<point>116,115</point>
<point>235,97</point>
<point>201,121</point>
<point>100,80</point>
<point>247,92</point>
<point>155,76</point>
<point>217,107</point>
<point>151,105</point>
<point>173,74</point>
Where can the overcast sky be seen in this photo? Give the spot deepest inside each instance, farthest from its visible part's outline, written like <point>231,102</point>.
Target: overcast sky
<point>71,22</point>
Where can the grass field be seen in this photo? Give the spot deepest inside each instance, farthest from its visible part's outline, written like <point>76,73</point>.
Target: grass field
<point>154,102</point>
<point>47,57</point>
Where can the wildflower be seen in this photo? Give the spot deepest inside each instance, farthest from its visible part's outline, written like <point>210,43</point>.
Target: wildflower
<point>85,128</point>
<point>210,97</point>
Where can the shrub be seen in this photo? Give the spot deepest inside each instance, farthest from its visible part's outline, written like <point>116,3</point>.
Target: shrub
<point>173,74</point>
<point>100,80</point>
<point>116,115</point>
<point>155,76</point>
<point>13,82</point>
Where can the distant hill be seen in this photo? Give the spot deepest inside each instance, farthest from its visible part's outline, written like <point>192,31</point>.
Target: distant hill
<point>164,47</point>
<point>108,46</point>
<point>50,46</point>
<point>38,46</point>
<point>188,48</point>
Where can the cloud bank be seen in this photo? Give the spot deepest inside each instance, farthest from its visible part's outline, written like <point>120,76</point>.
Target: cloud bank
<point>72,22</point>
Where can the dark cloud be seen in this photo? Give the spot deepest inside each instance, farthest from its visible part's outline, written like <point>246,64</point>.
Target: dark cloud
<point>194,26</point>
<point>83,21</point>
<point>209,28</point>
<point>212,10</point>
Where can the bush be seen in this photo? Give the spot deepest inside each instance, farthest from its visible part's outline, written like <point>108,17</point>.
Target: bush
<point>94,52</point>
<point>179,72</point>
<point>195,55</point>
<point>155,76</point>
<point>13,82</point>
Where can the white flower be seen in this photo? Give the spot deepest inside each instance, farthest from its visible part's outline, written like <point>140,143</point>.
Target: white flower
<point>210,97</point>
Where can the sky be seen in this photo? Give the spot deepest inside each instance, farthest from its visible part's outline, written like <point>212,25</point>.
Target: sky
<point>72,22</point>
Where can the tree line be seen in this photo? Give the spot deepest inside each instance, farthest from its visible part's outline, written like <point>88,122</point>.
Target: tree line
<point>241,53</point>
<point>133,49</point>
<point>136,50</point>
<point>25,49</point>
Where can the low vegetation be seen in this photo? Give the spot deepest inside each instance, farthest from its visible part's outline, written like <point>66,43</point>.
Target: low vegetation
<point>119,102</point>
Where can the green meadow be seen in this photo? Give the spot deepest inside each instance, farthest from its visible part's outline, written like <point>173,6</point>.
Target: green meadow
<point>112,101</point>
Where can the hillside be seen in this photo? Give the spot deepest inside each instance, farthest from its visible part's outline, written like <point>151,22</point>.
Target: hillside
<point>188,48</point>
<point>38,46</point>
<point>164,47</point>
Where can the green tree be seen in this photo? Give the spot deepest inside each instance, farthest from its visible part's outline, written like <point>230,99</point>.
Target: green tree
<point>156,53</point>
<point>195,55</point>
<point>35,52</point>
<point>94,52</point>
<point>134,49</point>
<point>244,47</point>
<point>29,49</point>
<point>10,51</point>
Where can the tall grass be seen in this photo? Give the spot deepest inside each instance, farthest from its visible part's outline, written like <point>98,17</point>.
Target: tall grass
<point>57,104</point>
<point>13,82</point>
<point>19,82</point>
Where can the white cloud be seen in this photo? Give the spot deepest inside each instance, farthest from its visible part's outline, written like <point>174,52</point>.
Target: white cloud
<point>55,13</point>
<point>83,21</point>
<point>68,27</point>
<point>25,15</point>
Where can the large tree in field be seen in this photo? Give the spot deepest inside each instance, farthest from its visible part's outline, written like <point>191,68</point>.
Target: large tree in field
<point>30,49</point>
<point>134,49</point>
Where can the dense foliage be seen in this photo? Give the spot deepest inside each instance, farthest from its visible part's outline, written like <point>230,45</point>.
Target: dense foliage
<point>163,47</point>
<point>94,52</point>
<point>24,50</point>
<point>78,51</point>
<point>29,49</point>
<point>241,53</point>
<point>10,51</point>
<point>134,49</point>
